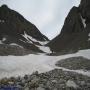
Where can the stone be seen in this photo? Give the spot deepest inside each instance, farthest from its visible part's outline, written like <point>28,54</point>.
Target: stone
<point>40,88</point>
<point>71,83</point>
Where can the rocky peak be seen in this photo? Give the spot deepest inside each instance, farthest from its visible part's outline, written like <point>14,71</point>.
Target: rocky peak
<point>15,30</point>
<point>12,23</point>
<point>73,22</point>
<point>75,31</point>
<point>4,7</point>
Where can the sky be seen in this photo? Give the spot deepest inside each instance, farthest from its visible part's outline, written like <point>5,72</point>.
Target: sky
<point>47,15</point>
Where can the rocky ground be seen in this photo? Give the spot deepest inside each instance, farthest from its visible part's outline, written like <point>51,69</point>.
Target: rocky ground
<point>53,80</point>
<point>75,63</point>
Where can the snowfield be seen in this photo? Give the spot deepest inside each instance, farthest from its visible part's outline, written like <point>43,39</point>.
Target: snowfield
<point>21,65</point>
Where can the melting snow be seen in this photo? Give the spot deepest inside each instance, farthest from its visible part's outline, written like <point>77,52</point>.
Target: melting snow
<point>4,39</point>
<point>89,34</point>
<point>33,40</point>
<point>83,21</point>
<point>21,65</point>
<point>1,42</point>
<point>2,21</point>
<point>14,44</point>
<point>22,40</point>
<point>44,49</point>
<point>27,37</point>
<point>89,37</point>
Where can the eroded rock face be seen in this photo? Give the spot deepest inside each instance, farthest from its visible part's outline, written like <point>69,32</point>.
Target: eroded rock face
<point>73,22</point>
<point>16,30</point>
<point>12,23</point>
<point>75,31</point>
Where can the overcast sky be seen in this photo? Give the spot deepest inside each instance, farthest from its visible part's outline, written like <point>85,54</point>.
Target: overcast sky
<point>47,15</point>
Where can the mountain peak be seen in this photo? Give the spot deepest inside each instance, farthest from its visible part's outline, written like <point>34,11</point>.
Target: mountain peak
<point>73,22</point>
<point>4,6</point>
<point>75,32</point>
<point>14,28</point>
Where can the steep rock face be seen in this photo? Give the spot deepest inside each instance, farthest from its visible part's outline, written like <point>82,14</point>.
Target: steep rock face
<point>16,30</point>
<point>73,22</point>
<point>85,12</point>
<point>75,32</point>
<point>13,23</point>
<point>85,9</point>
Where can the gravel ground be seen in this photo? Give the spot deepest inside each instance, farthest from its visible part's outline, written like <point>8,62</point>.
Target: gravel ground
<point>75,63</point>
<point>52,80</point>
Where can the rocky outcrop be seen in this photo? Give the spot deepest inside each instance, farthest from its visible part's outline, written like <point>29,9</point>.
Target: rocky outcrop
<point>75,32</point>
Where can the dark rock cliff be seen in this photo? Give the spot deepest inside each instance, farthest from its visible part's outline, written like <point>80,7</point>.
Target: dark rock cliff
<point>75,32</point>
<point>15,29</point>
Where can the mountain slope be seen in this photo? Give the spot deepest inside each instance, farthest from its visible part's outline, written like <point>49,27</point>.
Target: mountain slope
<point>15,30</point>
<point>75,32</point>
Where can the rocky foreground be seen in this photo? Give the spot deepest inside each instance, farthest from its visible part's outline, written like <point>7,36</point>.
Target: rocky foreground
<point>54,80</point>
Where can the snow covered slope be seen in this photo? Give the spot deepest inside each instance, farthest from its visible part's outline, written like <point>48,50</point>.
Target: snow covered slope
<point>21,65</point>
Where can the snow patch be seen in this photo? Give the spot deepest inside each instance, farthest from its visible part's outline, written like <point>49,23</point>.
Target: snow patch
<point>14,44</point>
<point>89,37</point>
<point>4,39</point>
<point>2,21</point>
<point>83,21</point>
<point>21,65</point>
<point>1,42</point>
<point>33,40</point>
<point>26,37</point>
<point>89,34</point>
<point>22,40</point>
<point>44,49</point>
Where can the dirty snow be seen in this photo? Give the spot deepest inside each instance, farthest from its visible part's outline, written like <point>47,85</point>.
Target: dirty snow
<point>21,65</point>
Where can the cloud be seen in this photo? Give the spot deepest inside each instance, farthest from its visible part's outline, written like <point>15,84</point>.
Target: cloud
<point>47,15</point>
